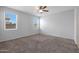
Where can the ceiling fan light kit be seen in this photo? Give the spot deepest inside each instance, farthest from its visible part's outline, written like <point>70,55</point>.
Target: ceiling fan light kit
<point>40,11</point>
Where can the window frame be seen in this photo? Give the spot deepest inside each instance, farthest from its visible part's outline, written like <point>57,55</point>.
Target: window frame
<point>5,20</point>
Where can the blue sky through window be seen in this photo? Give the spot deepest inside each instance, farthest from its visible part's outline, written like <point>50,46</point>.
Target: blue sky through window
<point>12,17</point>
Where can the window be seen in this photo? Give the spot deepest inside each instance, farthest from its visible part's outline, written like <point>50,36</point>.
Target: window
<point>36,22</point>
<point>10,22</point>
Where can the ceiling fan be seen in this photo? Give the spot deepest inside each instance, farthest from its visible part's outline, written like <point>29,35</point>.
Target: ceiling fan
<point>42,9</point>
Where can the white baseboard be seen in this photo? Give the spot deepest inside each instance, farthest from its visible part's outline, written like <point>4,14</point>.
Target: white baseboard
<point>2,40</point>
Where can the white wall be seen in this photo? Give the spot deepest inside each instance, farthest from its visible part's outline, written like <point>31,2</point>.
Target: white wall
<point>60,24</point>
<point>24,28</point>
<point>77,26</point>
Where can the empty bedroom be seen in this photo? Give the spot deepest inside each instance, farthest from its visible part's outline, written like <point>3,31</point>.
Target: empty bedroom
<point>39,29</point>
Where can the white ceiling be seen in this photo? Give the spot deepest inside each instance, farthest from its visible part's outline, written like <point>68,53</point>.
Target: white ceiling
<point>32,9</point>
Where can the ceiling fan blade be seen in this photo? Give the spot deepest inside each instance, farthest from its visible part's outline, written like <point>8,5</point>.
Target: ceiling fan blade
<point>40,7</point>
<point>44,7</point>
<point>45,10</point>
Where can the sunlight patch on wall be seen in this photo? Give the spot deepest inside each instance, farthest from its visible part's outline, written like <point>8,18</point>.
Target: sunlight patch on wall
<point>42,23</point>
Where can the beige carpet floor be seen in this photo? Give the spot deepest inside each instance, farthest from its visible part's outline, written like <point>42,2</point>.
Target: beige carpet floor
<point>39,44</point>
